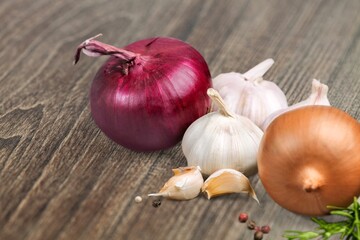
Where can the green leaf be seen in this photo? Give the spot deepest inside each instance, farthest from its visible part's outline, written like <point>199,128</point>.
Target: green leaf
<point>342,213</point>
<point>348,229</point>
<point>300,235</point>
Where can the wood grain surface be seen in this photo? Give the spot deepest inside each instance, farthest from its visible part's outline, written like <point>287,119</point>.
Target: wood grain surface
<point>61,178</point>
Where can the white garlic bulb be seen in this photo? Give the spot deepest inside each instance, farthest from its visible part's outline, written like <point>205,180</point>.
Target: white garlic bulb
<point>249,94</point>
<point>222,139</point>
<point>226,181</point>
<point>184,185</point>
<point>318,96</point>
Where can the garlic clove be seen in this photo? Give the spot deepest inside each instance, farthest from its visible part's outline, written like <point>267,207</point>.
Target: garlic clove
<point>184,185</point>
<point>259,70</point>
<point>318,96</point>
<point>225,181</point>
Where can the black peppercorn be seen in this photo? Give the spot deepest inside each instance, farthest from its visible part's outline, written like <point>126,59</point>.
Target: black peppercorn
<point>258,235</point>
<point>251,225</point>
<point>156,203</point>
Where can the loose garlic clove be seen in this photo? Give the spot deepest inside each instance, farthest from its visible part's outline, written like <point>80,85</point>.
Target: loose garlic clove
<point>249,94</point>
<point>222,139</point>
<point>184,185</point>
<point>318,96</point>
<point>225,181</point>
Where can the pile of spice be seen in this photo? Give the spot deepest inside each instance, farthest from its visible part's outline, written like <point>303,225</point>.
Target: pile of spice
<point>251,225</point>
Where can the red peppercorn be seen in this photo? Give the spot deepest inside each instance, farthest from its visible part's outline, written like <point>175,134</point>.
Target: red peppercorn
<point>257,229</point>
<point>265,229</point>
<point>243,217</point>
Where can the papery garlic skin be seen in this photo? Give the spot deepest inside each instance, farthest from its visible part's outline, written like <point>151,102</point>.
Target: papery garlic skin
<point>184,185</point>
<point>318,96</point>
<point>226,181</point>
<point>216,141</point>
<point>249,95</point>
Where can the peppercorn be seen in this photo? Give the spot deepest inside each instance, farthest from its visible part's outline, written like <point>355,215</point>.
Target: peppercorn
<point>251,225</point>
<point>138,199</point>
<point>243,217</point>
<point>265,229</point>
<point>156,203</point>
<point>258,235</point>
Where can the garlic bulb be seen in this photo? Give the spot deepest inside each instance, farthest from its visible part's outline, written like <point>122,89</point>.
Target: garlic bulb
<point>249,94</point>
<point>222,139</point>
<point>225,181</point>
<point>184,185</point>
<point>318,96</point>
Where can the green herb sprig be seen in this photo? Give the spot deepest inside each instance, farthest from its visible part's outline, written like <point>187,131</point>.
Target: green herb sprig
<point>348,229</point>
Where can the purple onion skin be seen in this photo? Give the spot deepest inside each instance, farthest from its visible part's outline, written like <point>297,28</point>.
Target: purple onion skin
<point>146,104</point>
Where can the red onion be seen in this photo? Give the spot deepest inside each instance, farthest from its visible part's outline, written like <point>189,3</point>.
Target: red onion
<point>146,94</point>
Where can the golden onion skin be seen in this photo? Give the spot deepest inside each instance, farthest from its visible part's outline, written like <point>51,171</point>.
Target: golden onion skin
<point>309,158</point>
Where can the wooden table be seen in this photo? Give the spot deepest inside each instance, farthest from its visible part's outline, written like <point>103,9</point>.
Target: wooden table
<point>61,178</point>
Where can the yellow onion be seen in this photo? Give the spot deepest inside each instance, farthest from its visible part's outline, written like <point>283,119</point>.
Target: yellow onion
<point>309,158</point>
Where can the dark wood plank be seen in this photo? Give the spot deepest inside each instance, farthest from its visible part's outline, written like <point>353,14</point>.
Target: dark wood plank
<point>61,178</point>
